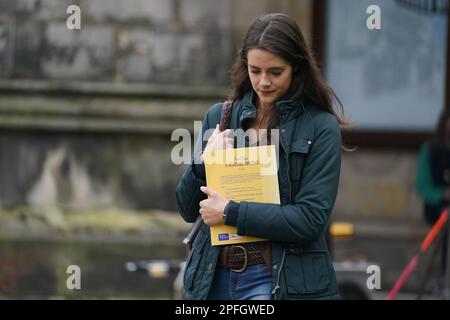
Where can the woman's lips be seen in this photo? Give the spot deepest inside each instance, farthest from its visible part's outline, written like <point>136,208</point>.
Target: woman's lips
<point>266,93</point>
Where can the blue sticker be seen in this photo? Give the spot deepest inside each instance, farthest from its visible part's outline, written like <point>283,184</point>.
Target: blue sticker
<point>223,236</point>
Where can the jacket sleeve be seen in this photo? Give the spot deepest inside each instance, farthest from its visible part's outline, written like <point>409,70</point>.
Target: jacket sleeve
<point>427,190</point>
<point>304,220</point>
<point>188,193</point>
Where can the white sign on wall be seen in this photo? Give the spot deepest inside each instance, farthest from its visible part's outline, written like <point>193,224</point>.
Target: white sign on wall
<point>390,78</point>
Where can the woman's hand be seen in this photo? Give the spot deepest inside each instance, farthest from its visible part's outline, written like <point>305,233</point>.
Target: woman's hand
<point>219,140</point>
<point>212,209</point>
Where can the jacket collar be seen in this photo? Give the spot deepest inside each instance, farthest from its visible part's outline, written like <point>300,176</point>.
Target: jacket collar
<point>288,109</point>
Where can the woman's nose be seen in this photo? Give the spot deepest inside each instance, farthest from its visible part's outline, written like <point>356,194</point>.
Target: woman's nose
<point>265,82</point>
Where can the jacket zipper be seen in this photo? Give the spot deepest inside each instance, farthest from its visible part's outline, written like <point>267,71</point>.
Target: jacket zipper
<point>288,169</point>
<point>277,286</point>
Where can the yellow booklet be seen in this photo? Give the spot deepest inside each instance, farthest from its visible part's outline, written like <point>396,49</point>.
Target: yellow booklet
<point>242,174</point>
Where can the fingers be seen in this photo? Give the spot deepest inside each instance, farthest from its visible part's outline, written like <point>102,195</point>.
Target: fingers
<point>229,143</point>
<point>204,212</point>
<point>214,134</point>
<point>205,190</point>
<point>216,131</point>
<point>209,192</point>
<point>209,217</point>
<point>220,140</point>
<point>224,141</point>
<point>222,135</point>
<point>227,133</point>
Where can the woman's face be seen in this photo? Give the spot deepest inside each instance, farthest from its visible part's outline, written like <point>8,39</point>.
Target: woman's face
<point>269,74</point>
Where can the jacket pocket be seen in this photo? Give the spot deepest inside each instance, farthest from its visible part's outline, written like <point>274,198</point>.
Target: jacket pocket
<point>307,273</point>
<point>193,261</point>
<point>299,151</point>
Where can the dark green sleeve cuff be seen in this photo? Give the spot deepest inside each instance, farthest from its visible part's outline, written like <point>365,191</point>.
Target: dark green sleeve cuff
<point>231,213</point>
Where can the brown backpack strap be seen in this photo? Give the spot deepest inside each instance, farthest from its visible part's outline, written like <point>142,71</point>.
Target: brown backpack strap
<point>225,118</point>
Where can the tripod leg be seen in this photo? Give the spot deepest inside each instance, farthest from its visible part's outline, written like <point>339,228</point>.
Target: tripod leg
<point>446,284</point>
<point>427,268</point>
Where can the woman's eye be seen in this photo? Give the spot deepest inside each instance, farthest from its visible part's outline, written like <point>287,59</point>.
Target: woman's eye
<point>254,71</point>
<point>276,73</point>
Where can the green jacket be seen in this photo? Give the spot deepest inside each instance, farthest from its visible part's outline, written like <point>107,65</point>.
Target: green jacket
<point>427,189</point>
<point>308,177</point>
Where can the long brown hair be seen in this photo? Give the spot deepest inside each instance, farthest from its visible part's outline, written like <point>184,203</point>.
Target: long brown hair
<point>280,35</point>
<point>439,140</point>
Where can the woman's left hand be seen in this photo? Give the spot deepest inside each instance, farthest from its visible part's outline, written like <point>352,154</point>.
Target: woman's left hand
<point>212,209</point>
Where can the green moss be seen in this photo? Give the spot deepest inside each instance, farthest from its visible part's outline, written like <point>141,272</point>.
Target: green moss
<point>105,222</point>
<point>109,220</point>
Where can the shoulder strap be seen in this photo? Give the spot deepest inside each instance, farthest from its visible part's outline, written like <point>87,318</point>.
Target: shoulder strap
<point>225,118</point>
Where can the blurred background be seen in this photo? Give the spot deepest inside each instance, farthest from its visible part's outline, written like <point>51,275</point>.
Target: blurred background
<point>86,117</point>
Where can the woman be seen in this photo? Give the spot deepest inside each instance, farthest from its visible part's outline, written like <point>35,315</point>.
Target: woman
<point>433,178</point>
<point>276,84</point>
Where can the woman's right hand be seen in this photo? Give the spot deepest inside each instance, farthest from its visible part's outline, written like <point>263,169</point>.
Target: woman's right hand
<point>219,140</point>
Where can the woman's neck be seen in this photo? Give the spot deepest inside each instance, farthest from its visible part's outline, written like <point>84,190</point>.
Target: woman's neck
<point>262,108</point>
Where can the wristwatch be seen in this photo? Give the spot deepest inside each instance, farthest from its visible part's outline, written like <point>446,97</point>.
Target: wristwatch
<point>224,215</point>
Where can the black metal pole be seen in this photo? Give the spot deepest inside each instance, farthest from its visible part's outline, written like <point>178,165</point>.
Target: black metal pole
<point>446,237</point>
<point>446,293</point>
<point>447,76</point>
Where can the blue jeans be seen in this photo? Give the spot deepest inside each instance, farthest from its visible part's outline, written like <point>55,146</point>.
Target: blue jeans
<point>254,283</point>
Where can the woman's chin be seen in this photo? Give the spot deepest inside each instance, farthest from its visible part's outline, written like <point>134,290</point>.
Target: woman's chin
<point>266,100</point>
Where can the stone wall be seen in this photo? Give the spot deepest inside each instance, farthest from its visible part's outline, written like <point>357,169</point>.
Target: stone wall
<point>93,151</point>
<point>138,40</point>
<point>379,183</point>
<point>86,115</point>
<point>160,41</point>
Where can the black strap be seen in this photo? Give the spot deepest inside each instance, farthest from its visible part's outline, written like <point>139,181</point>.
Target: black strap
<point>225,119</point>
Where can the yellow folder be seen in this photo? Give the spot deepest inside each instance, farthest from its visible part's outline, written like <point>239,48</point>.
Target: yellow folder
<point>242,174</point>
